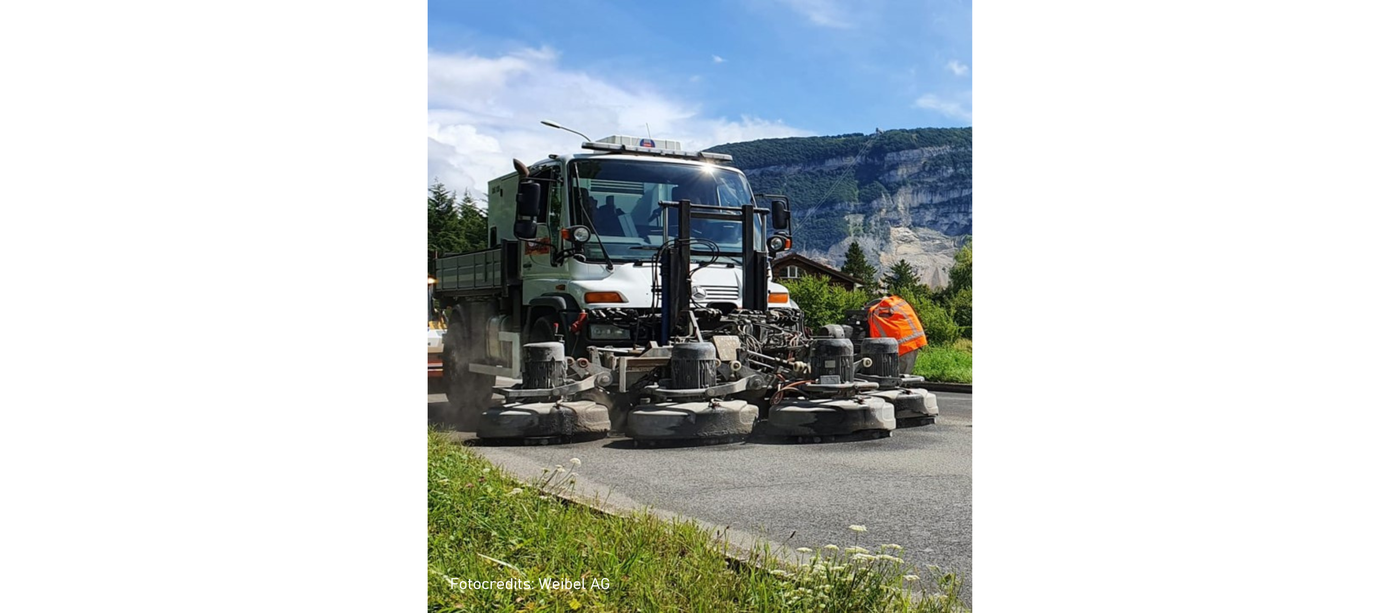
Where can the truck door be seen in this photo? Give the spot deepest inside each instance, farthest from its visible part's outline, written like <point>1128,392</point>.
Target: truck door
<point>536,255</point>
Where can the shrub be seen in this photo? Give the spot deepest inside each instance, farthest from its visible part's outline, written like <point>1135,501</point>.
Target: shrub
<point>823,302</point>
<point>938,323</point>
<point>960,305</point>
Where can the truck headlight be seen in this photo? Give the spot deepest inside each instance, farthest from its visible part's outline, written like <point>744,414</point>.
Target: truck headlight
<point>605,332</point>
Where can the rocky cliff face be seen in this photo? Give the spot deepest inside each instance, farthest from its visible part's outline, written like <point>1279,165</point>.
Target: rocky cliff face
<point>901,194</point>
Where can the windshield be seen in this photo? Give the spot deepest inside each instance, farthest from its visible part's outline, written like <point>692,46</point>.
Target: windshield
<point>619,197</point>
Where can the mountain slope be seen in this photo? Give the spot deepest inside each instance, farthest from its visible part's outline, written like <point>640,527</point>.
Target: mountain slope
<point>902,194</point>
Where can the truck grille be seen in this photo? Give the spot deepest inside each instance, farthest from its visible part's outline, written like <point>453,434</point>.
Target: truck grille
<point>720,293</point>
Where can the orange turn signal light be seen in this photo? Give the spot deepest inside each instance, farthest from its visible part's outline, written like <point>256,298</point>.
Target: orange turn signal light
<point>777,298</point>
<point>595,297</point>
<point>565,234</point>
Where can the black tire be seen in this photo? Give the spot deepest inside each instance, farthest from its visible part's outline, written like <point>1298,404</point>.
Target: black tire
<point>468,393</point>
<point>542,331</point>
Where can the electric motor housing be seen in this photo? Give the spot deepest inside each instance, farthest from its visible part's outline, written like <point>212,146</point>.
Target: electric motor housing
<point>833,357</point>
<point>693,366</point>
<point>884,356</point>
<point>544,365</point>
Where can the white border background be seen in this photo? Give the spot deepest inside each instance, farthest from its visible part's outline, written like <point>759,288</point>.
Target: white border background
<point>1186,319</point>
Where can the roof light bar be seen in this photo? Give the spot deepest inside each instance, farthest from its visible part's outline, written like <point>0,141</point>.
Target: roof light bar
<point>693,155</point>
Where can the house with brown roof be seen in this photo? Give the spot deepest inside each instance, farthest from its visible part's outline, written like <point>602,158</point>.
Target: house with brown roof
<point>793,266</point>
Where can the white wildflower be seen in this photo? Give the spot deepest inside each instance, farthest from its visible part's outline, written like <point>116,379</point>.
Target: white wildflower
<point>892,546</point>
<point>485,471</point>
<point>575,461</point>
<point>889,558</point>
<point>857,527</point>
<point>514,492</point>
<point>857,550</point>
<point>911,577</point>
<point>804,550</point>
<point>832,547</point>
<point>861,557</point>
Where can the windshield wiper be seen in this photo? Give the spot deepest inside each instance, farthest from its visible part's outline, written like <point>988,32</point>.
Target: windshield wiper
<point>583,206</point>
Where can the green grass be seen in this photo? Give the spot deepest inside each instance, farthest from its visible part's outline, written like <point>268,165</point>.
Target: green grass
<point>484,525</point>
<point>946,363</point>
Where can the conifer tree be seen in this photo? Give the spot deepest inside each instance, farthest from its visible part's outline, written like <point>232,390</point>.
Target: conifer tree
<point>857,266</point>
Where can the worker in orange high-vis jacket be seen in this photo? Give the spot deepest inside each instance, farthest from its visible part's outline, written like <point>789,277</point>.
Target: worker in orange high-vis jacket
<point>894,317</point>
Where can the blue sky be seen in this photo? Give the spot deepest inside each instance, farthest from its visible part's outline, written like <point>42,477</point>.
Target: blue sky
<point>703,73</point>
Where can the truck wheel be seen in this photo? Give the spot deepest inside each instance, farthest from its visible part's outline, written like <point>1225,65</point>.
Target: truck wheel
<point>468,393</point>
<point>542,331</point>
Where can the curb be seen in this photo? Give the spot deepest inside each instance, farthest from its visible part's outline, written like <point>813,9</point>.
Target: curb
<point>961,388</point>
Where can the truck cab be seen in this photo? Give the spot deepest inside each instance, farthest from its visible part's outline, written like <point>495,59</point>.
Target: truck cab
<point>616,196</point>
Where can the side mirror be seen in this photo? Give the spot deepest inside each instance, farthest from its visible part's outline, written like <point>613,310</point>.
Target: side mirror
<point>526,229</point>
<point>527,200</point>
<point>781,215</point>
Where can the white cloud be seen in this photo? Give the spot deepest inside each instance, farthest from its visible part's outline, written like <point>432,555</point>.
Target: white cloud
<point>957,67</point>
<point>484,111</point>
<point>949,108</point>
<point>718,59</point>
<point>821,12</point>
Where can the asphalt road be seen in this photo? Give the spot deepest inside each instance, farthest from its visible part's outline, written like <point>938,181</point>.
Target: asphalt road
<point>913,488</point>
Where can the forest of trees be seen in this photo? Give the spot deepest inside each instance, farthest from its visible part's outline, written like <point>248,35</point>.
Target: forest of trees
<point>804,149</point>
<point>454,224</point>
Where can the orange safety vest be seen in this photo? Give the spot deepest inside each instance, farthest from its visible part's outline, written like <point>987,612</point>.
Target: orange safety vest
<point>894,318</point>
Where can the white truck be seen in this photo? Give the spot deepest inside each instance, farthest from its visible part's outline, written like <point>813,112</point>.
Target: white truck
<point>627,288</point>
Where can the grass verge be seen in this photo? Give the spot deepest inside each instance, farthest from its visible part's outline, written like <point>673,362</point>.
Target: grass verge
<point>946,363</point>
<point>484,525</point>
